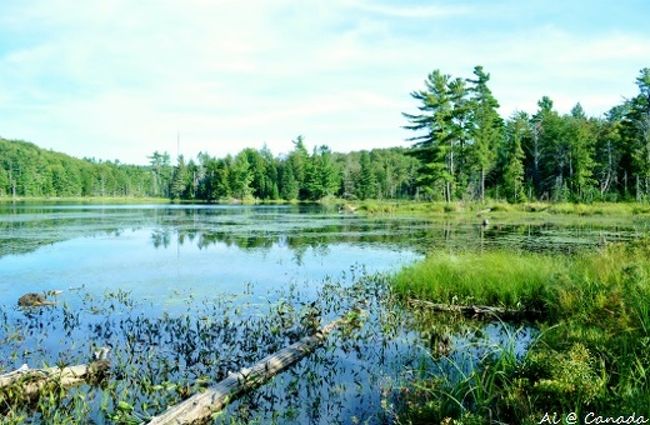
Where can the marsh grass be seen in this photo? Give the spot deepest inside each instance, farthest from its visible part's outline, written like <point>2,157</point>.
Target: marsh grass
<point>418,208</point>
<point>593,350</point>
<point>491,278</point>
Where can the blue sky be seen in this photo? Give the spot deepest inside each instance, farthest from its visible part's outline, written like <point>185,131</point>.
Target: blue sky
<point>117,79</point>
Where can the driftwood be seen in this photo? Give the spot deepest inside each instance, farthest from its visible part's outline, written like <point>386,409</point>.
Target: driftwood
<point>475,310</point>
<point>199,408</point>
<point>28,382</point>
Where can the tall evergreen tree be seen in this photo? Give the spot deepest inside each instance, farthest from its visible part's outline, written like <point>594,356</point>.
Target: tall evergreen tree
<point>367,186</point>
<point>581,138</point>
<point>486,126</point>
<point>288,183</point>
<point>321,175</point>
<point>637,130</point>
<point>434,148</point>
<point>179,180</point>
<point>298,159</point>
<point>518,130</point>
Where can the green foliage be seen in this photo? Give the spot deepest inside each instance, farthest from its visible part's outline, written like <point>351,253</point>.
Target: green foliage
<point>486,128</point>
<point>179,183</point>
<point>592,353</point>
<point>321,175</point>
<point>26,170</point>
<point>492,278</point>
<point>443,119</point>
<point>367,187</point>
<point>465,153</point>
<point>240,177</point>
<point>512,157</point>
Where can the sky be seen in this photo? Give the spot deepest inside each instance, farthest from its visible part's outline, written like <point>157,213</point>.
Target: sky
<point>119,79</point>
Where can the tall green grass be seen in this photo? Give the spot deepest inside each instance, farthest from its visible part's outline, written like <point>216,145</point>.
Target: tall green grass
<point>593,353</point>
<point>419,208</point>
<point>493,278</point>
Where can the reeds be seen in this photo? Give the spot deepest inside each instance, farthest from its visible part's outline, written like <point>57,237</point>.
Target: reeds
<point>592,353</point>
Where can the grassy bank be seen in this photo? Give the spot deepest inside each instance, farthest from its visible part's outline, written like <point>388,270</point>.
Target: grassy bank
<point>592,353</point>
<point>494,207</point>
<point>386,207</point>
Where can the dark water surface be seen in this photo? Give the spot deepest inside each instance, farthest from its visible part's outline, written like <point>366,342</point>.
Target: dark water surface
<point>209,288</point>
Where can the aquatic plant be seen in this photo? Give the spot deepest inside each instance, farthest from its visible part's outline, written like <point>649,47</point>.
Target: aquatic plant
<point>591,354</point>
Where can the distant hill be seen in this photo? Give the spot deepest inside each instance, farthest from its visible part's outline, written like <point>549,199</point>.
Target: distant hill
<point>27,170</point>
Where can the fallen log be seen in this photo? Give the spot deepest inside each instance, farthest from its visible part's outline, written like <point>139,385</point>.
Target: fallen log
<point>475,310</point>
<point>199,408</point>
<point>27,382</point>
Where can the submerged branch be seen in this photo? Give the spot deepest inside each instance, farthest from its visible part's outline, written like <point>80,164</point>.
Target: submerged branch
<point>476,310</point>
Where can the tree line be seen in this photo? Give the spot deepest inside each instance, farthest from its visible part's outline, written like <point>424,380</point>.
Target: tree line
<point>463,150</point>
<point>26,170</point>
<point>468,151</point>
<point>299,175</point>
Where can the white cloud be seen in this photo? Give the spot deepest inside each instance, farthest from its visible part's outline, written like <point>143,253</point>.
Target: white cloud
<point>121,81</point>
<point>412,11</point>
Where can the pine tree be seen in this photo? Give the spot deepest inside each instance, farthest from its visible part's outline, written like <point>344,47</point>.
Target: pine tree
<point>513,170</point>
<point>299,161</point>
<point>321,175</point>
<point>434,148</point>
<point>367,185</point>
<point>288,183</point>
<point>637,123</point>
<point>179,180</point>
<point>486,126</point>
<point>581,139</point>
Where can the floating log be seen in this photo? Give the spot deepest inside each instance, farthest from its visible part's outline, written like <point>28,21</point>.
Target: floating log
<point>475,310</point>
<point>28,382</point>
<point>199,408</point>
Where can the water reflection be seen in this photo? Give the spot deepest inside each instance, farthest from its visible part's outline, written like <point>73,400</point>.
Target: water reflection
<point>25,228</point>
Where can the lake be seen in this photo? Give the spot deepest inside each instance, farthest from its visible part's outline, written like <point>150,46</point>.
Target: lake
<point>183,293</point>
<point>154,251</point>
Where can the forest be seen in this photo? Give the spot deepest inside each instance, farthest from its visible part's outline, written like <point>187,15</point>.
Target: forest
<point>462,149</point>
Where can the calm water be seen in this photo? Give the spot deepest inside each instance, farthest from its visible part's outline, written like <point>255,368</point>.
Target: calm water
<point>164,252</point>
<point>222,267</point>
<point>155,251</point>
